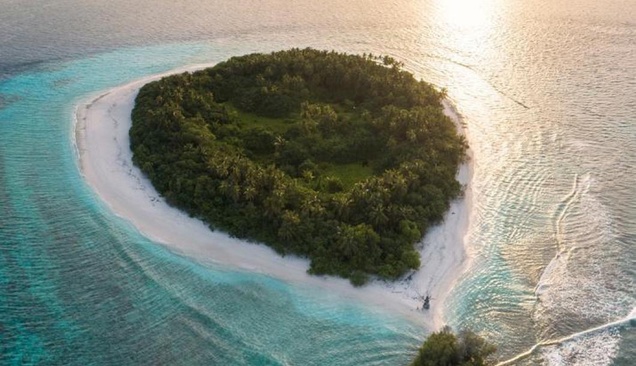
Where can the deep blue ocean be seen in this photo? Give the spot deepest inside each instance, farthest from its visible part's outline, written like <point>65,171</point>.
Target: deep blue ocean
<point>548,94</point>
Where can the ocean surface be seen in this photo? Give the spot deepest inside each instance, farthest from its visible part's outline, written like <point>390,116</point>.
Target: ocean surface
<point>547,90</point>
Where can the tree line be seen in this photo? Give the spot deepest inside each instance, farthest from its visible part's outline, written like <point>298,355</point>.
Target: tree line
<point>250,146</point>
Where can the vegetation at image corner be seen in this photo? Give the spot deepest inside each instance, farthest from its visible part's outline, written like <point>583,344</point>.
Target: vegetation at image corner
<point>444,348</point>
<point>343,159</point>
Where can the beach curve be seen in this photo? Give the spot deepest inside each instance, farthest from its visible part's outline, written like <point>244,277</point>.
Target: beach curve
<point>105,161</point>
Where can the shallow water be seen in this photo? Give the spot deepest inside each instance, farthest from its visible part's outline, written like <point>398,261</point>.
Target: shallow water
<point>545,89</point>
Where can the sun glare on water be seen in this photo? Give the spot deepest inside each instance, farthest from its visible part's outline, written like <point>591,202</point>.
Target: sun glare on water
<point>469,14</point>
<point>467,30</point>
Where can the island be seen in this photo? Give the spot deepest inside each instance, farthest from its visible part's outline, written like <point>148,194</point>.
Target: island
<point>343,159</point>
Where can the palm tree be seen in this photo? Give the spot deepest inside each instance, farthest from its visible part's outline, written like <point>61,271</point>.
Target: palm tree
<point>311,205</point>
<point>289,228</point>
<point>235,192</point>
<point>274,203</point>
<point>396,182</point>
<point>347,243</point>
<point>250,193</point>
<point>377,216</point>
<point>341,203</point>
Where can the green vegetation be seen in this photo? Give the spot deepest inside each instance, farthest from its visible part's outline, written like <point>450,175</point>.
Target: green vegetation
<point>344,159</point>
<point>348,174</point>
<point>444,348</point>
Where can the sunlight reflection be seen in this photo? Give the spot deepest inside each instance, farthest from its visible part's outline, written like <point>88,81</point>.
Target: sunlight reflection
<point>469,27</point>
<point>467,13</point>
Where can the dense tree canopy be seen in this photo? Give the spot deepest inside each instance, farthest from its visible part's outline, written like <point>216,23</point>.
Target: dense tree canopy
<point>444,348</point>
<point>343,159</point>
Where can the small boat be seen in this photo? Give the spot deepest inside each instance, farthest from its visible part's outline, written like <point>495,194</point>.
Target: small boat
<point>427,303</point>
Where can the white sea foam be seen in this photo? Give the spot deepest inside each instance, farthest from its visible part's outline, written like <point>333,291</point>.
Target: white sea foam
<point>595,346</point>
<point>584,230</point>
<point>592,350</point>
<point>583,234</point>
<point>102,141</point>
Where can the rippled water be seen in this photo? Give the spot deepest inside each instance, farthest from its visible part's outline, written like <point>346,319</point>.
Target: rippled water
<point>547,92</point>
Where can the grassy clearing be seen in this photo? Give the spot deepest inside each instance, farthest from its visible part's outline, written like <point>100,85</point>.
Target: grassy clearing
<point>349,174</point>
<point>276,125</point>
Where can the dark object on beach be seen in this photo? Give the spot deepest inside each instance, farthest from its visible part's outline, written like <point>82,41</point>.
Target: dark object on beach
<point>427,303</point>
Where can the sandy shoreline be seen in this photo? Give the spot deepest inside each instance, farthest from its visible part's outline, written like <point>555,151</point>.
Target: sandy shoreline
<point>101,134</point>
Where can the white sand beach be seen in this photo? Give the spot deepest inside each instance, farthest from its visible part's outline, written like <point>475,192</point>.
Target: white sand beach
<point>101,133</point>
